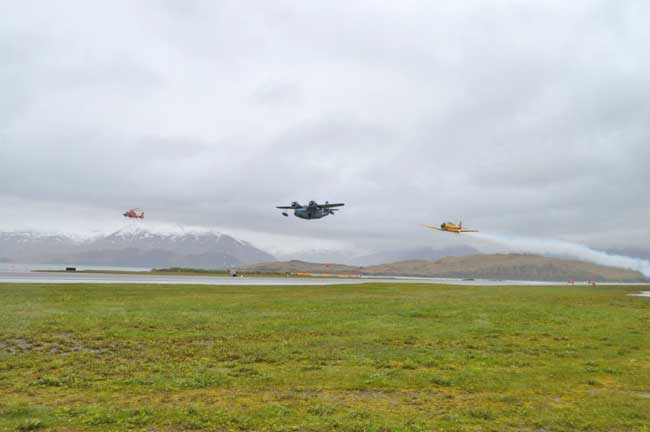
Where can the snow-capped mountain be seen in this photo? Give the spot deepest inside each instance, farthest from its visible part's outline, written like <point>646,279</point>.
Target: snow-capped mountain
<point>20,246</point>
<point>132,246</point>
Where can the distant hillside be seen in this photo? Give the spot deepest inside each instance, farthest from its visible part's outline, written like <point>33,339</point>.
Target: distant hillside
<point>411,254</point>
<point>498,266</point>
<point>295,266</point>
<point>385,256</point>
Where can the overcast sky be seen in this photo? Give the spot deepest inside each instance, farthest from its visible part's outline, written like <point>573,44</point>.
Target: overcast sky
<point>519,117</point>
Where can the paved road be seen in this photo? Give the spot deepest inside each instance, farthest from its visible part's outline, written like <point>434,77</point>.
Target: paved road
<point>34,277</point>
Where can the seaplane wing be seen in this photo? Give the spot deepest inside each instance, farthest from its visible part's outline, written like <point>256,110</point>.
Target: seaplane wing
<point>328,205</point>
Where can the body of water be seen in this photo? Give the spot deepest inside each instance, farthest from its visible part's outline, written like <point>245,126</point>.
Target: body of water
<point>15,267</point>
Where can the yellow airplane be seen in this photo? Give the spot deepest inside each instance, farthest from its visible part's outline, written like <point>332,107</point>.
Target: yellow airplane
<point>452,227</point>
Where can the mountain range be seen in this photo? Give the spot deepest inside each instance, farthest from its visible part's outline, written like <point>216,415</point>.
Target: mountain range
<point>138,245</point>
<point>144,246</point>
<point>495,266</point>
<point>132,246</point>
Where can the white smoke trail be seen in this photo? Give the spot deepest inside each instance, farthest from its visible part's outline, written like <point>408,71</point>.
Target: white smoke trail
<point>557,247</point>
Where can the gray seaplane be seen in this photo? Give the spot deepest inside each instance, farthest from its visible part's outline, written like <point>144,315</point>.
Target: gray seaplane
<point>313,210</point>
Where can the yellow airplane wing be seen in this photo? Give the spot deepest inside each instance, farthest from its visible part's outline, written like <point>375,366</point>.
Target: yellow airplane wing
<point>469,230</point>
<point>433,227</point>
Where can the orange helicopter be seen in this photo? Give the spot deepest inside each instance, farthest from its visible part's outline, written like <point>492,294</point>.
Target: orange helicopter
<point>133,214</point>
<point>452,227</point>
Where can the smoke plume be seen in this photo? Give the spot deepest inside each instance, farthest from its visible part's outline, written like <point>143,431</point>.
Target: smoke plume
<point>519,244</point>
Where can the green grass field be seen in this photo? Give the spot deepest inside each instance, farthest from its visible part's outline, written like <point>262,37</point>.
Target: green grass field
<point>373,357</point>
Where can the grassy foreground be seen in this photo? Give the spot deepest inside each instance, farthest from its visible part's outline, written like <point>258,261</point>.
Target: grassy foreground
<point>374,357</point>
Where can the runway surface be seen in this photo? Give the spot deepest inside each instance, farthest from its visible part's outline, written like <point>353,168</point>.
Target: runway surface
<point>105,278</point>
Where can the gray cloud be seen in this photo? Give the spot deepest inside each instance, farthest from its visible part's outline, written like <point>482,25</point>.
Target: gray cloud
<point>528,118</point>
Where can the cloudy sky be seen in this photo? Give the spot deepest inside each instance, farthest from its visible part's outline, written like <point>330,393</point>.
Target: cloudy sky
<point>518,117</point>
